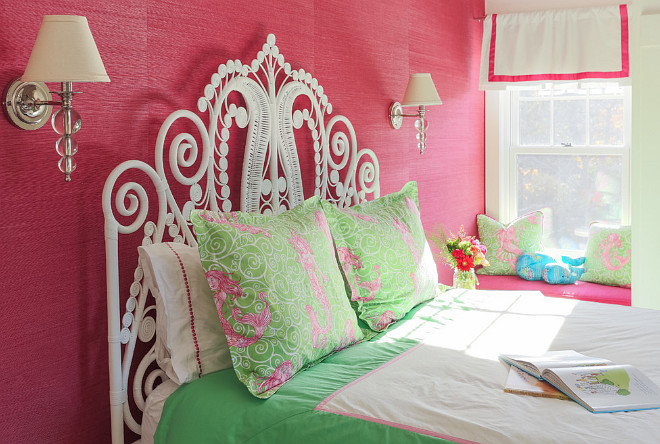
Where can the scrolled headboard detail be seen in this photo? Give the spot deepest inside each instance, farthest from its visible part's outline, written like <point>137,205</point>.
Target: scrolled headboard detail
<point>269,102</point>
<point>271,177</point>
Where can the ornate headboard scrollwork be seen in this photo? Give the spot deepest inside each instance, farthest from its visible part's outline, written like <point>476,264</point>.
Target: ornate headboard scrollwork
<point>270,102</point>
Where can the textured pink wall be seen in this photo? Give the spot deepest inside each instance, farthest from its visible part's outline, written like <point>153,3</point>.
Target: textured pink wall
<point>159,56</point>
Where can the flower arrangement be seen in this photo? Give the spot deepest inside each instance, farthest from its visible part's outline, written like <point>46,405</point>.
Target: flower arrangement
<point>462,253</point>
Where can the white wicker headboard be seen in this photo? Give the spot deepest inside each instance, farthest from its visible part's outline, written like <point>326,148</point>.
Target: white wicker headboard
<point>260,98</point>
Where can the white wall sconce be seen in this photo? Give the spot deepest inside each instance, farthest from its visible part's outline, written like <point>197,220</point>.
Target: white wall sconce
<point>420,92</point>
<point>64,52</point>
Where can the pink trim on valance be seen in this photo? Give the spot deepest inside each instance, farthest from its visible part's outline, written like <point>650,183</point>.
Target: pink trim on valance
<point>550,49</point>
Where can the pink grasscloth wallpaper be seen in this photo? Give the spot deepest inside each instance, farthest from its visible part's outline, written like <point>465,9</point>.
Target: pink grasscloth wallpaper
<point>159,55</point>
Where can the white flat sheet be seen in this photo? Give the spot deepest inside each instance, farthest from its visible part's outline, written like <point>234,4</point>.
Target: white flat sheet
<point>452,385</point>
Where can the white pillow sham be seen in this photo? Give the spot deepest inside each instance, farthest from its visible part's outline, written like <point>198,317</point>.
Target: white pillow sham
<point>190,341</point>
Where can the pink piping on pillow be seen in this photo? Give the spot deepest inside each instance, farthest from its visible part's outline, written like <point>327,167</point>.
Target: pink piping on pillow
<point>190,309</point>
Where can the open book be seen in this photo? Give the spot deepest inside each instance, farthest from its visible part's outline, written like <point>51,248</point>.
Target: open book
<point>596,384</point>
<point>521,383</point>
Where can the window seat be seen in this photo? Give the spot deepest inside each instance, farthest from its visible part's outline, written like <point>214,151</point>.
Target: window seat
<point>585,291</point>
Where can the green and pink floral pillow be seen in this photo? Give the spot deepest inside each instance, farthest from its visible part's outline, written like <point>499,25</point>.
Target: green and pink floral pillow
<point>384,255</point>
<point>608,255</point>
<point>278,290</point>
<point>506,242</point>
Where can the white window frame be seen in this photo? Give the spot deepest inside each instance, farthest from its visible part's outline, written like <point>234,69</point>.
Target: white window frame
<point>501,149</point>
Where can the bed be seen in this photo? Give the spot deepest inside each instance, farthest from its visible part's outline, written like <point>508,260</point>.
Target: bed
<point>418,367</point>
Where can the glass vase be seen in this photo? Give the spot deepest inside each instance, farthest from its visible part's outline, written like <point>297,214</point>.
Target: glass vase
<point>465,279</point>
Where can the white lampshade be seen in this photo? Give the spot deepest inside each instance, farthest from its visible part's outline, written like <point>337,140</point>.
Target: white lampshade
<point>421,91</point>
<point>65,52</point>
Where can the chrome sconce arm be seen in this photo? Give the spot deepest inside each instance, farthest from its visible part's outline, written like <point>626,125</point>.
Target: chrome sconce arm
<point>421,124</point>
<point>28,103</point>
<point>420,92</point>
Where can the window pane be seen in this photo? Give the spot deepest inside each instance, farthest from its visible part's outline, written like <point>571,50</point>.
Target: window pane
<point>535,123</point>
<point>606,120</point>
<point>570,122</point>
<point>576,190</point>
<point>528,93</point>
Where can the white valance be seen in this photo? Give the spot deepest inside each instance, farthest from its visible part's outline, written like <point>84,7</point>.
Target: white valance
<point>555,46</point>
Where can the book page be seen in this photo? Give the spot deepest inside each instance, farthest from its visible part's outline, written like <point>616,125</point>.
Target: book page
<point>607,388</point>
<point>552,359</point>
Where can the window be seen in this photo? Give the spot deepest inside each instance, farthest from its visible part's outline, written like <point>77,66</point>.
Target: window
<point>566,151</point>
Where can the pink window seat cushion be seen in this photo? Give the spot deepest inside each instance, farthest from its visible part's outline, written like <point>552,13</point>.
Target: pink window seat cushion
<point>584,291</point>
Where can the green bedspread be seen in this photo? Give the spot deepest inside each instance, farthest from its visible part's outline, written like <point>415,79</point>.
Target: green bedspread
<point>218,408</point>
<point>449,386</point>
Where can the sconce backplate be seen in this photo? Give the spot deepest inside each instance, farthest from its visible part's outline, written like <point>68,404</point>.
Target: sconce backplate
<point>20,98</point>
<point>396,115</point>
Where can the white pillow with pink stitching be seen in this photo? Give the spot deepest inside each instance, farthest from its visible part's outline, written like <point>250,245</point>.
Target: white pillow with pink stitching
<point>190,341</point>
